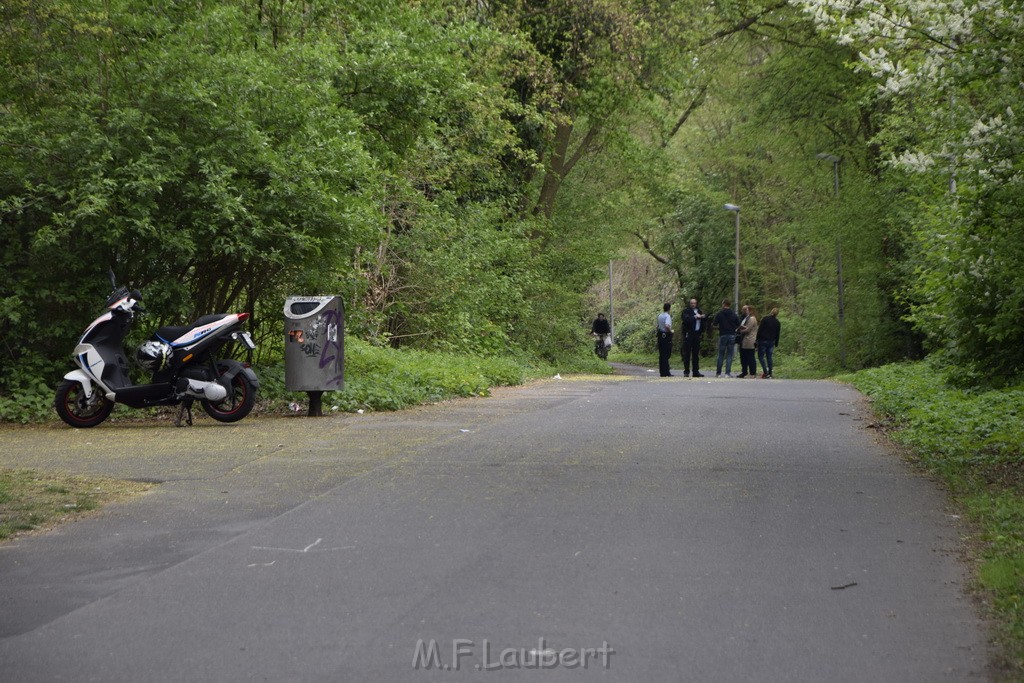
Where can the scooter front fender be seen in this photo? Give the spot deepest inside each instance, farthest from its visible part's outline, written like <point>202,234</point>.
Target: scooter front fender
<point>87,383</point>
<point>91,365</point>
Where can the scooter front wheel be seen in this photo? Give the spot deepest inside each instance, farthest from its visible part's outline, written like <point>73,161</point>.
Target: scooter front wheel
<point>76,410</point>
<point>237,404</point>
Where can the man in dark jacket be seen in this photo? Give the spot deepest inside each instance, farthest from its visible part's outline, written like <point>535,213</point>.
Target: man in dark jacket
<point>727,323</point>
<point>693,328</point>
<point>601,329</point>
<point>767,339</point>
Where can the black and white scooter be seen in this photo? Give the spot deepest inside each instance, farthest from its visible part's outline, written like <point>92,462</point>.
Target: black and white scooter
<point>182,359</point>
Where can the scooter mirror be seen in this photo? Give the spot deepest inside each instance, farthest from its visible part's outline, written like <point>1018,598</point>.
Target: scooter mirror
<point>113,280</point>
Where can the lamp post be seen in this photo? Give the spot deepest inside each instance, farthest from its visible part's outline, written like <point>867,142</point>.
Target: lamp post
<point>835,161</point>
<point>736,277</point>
<point>611,304</point>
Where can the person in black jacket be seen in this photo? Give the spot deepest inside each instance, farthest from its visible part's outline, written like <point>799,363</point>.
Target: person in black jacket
<point>727,323</point>
<point>601,329</point>
<point>693,328</point>
<point>767,339</point>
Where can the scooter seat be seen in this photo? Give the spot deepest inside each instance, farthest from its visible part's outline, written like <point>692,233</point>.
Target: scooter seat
<point>169,333</point>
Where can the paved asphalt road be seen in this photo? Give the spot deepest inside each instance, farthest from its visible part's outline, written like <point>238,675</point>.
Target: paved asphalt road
<point>613,529</point>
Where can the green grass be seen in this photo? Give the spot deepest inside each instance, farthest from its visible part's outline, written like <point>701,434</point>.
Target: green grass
<point>32,500</point>
<point>380,379</point>
<point>376,379</point>
<point>973,441</point>
<point>646,360</point>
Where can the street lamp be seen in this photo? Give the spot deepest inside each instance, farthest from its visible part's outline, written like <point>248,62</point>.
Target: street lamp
<point>835,161</point>
<point>611,304</point>
<point>736,279</point>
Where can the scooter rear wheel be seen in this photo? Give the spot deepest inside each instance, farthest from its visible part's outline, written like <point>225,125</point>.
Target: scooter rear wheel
<point>237,404</point>
<point>71,405</point>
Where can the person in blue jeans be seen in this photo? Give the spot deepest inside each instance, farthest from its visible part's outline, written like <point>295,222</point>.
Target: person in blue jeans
<point>767,339</point>
<point>727,323</point>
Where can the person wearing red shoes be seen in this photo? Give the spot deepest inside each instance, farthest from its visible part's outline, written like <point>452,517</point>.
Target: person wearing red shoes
<point>748,342</point>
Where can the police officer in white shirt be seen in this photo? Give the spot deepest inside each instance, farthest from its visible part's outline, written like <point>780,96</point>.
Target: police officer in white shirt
<point>665,340</point>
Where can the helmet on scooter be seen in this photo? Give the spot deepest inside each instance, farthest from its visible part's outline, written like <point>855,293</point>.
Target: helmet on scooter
<point>153,355</point>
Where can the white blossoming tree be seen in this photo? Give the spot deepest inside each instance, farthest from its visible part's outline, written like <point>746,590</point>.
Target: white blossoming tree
<point>953,71</point>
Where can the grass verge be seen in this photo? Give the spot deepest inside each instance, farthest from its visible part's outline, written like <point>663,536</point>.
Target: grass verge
<point>376,379</point>
<point>972,440</point>
<point>31,500</point>
<point>388,379</point>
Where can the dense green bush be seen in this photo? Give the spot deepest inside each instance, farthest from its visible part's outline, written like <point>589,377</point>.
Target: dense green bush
<point>952,429</point>
<point>635,333</point>
<point>221,156</point>
<point>29,402</point>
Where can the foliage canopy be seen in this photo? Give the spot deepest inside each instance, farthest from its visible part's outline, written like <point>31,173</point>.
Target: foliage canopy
<point>462,172</point>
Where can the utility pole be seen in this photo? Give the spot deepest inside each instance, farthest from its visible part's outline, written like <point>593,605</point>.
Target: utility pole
<point>611,303</point>
<point>736,269</point>
<point>839,260</point>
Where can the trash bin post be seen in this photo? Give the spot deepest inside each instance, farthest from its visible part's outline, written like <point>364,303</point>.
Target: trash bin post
<point>315,404</point>
<point>314,357</point>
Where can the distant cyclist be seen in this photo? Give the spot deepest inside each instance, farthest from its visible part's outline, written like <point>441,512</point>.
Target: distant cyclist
<point>602,329</point>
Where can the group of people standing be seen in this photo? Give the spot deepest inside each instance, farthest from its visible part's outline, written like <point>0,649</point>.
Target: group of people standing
<point>752,336</point>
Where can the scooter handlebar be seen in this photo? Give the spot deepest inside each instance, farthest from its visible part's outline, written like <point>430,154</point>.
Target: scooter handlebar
<point>137,306</point>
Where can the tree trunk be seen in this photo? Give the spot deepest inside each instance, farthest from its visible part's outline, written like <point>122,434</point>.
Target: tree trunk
<point>556,171</point>
<point>559,166</point>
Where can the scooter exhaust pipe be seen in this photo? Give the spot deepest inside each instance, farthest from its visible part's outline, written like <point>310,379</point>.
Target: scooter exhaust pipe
<point>211,391</point>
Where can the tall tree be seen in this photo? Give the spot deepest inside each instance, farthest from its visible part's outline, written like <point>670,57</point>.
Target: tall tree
<point>952,73</point>
<point>777,95</point>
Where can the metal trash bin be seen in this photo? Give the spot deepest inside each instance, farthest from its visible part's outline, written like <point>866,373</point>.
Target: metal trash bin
<point>314,346</point>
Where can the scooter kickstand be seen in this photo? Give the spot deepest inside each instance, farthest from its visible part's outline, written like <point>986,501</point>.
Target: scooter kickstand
<point>186,407</point>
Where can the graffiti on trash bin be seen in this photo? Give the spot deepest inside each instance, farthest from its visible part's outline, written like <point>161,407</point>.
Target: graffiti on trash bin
<point>322,339</point>
<point>310,347</point>
<point>331,355</point>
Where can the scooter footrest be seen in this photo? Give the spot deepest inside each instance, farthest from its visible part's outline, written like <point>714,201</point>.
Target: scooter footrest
<point>145,395</point>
